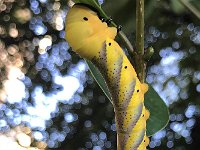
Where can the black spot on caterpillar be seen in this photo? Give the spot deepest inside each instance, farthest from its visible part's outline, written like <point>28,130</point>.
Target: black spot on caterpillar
<point>85,18</point>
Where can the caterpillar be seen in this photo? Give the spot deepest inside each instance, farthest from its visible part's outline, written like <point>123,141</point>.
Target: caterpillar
<point>92,39</point>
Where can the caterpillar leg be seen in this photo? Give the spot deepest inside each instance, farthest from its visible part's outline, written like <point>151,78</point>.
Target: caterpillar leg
<point>108,21</point>
<point>103,19</point>
<point>146,141</point>
<point>147,114</point>
<point>144,87</point>
<point>144,144</point>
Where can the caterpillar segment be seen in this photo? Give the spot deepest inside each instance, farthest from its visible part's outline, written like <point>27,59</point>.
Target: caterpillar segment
<point>94,40</point>
<point>128,97</point>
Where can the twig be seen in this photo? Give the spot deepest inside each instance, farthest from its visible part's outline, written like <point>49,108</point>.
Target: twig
<point>191,8</point>
<point>140,26</point>
<point>126,41</point>
<point>140,38</point>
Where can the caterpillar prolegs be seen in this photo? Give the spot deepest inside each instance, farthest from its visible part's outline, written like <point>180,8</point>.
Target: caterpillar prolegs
<point>94,40</point>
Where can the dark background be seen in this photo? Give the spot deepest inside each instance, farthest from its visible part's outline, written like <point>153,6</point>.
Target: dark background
<point>86,119</point>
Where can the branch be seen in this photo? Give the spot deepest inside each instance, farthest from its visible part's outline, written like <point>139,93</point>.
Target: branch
<point>126,41</point>
<point>140,26</point>
<point>140,39</point>
<point>191,8</point>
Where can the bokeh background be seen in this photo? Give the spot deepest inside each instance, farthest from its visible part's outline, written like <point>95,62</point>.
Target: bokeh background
<point>49,100</point>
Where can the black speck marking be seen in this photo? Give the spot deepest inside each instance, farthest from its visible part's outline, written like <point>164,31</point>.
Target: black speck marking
<point>128,94</point>
<point>109,44</point>
<point>85,18</point>
<point>138,90</point>
<point>144,140</point>
<point>125,67</point>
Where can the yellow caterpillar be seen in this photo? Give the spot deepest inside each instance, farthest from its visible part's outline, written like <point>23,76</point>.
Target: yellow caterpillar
<point>92,39</point>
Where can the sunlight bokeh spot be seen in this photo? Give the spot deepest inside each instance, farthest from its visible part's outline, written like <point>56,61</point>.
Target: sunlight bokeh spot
<point>44,43</point>
<point>23,139</point>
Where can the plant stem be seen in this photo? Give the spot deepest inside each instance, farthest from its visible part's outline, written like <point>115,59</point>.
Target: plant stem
<point>140,26</point>
<point>140,38</point>
<point>126,41</point>
<point>191,8</point>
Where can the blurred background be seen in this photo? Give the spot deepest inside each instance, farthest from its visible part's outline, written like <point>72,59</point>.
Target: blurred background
<point>48,98</point>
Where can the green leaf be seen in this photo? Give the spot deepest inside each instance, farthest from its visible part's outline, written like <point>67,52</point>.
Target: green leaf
<point>192,6</point>
<point>117,13</point>
<point>177,7</point>
<point>93,3</point>
<point>196,4</point>
<point>159,115</point>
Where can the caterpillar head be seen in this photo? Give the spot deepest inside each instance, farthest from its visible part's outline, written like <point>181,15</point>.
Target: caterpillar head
<point>83,25</point>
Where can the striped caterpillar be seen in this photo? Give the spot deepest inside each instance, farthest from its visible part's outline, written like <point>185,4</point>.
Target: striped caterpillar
<point>92,39</point>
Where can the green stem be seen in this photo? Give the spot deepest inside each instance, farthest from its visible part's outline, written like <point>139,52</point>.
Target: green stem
<point>191,8</point>
<point>140,26</point>
<point>140,38</point>
<point>126,41</point>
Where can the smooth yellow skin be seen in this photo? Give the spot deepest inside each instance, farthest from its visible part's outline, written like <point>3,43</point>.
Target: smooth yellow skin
<point>126,76</point>
<point>94,40</point>
<point>86,37</point>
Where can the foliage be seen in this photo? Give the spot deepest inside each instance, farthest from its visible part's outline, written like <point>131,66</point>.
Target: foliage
<point>173,71</point>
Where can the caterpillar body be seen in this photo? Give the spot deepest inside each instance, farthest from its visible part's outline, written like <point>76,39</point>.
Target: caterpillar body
<point>92,39</point>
